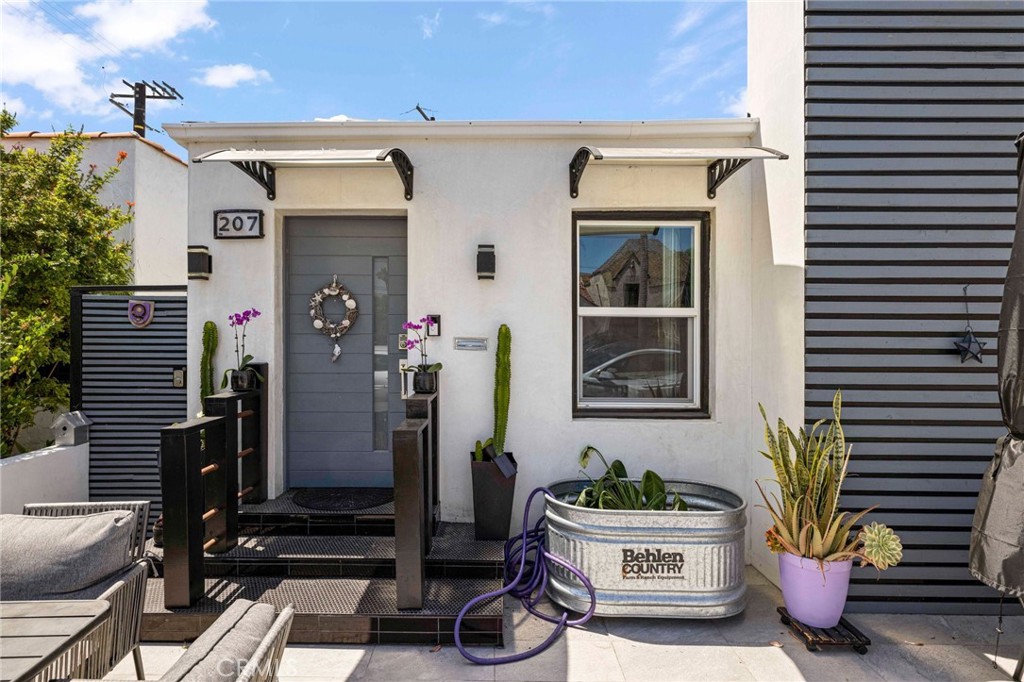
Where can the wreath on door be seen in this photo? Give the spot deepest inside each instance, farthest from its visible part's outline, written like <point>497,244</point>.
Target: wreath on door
<point>335,330</point>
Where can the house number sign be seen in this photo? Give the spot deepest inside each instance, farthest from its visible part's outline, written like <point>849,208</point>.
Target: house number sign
<point>238,223</point>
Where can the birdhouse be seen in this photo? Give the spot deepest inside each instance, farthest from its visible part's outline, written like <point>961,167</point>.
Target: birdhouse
<point>71,428</point>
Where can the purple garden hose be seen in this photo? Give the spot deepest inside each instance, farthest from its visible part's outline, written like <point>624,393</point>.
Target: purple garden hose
<point>528,585</point>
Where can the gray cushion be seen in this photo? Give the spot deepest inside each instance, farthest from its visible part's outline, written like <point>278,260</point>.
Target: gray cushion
<point>222,652</point>
<point>50,557</point>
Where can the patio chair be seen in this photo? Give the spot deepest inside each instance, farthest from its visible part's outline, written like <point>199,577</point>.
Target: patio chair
<point>244,644</point>
<point>126,591</point>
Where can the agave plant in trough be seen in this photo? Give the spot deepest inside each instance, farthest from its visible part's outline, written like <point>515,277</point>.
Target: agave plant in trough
<point>615,490</point>
<point>810,532</point>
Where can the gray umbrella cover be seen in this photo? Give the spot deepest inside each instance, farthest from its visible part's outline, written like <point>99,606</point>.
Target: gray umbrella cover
<point>997,533</point>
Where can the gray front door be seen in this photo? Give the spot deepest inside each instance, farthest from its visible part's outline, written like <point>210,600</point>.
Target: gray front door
<point>339,416</point>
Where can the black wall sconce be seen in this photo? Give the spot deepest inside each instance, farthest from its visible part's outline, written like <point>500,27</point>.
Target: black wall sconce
<point>435,328</point>
<point>200,262</point>
<point>485,261</point>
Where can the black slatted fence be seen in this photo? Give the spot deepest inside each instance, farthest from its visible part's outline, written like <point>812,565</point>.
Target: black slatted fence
<point>123,379</point>
<point>911,113</point>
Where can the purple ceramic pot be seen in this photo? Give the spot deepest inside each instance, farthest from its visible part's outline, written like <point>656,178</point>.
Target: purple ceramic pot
<point>814,596</point>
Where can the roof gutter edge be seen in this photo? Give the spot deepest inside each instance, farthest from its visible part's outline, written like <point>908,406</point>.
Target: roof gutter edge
<point>187,132</point>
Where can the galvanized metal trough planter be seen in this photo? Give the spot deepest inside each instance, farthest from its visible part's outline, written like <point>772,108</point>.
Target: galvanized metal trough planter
<point>687,564</point>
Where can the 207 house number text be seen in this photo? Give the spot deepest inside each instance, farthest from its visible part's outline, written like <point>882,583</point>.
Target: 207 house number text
<point>238,224</point>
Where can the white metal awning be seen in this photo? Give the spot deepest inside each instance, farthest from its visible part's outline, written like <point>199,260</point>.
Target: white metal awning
<point>261,164</point>
<point>721,162</point>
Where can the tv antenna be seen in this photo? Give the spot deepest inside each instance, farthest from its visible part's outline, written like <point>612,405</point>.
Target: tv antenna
<point>422,112</point>
<point>142,91</point>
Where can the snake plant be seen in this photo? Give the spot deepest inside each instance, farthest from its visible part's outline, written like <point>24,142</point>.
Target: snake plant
<point>810,468</point>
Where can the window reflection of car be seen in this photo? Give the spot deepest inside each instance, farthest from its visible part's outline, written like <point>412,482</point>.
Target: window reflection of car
<point>641,373</point>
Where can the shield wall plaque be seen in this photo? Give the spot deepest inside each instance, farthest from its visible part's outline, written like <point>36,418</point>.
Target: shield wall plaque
<point>140,313</point>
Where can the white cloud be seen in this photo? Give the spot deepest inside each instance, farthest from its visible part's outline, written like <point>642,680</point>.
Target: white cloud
<point>15,105</point>
<point>492,18</point>
<point>428,25</point>
<point>674,60</point>
<point>338,118</point>
<point>144,25</point>
<point>76,71</point>
<point>693,16</point>
<point>736,105</point>
<point>706,46</point>
<point>232,75</point>
<point>546,9</point>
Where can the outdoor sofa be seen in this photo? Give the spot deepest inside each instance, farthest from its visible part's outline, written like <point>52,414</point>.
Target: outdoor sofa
<point>81,550</point>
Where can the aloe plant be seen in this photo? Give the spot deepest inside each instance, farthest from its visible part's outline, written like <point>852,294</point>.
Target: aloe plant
<point>810,468</point>
<point>614,490</point>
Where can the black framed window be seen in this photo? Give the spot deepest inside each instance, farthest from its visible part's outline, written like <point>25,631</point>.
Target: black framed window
<point>640,314</point>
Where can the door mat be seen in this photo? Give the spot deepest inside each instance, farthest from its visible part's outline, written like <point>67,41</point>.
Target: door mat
<point>342,499</point>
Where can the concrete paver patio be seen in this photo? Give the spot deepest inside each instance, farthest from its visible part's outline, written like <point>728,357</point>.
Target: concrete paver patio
<point>752,646</point>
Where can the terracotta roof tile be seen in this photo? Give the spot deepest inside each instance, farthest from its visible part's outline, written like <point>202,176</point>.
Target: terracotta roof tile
<point>36,135</point>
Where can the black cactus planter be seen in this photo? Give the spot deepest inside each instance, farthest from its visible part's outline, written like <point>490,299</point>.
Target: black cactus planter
<point>494,488</point>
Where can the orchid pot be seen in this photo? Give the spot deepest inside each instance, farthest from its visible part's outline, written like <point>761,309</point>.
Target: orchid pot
<point>242,379</point>
<point>424,381</point>
<point>424,375</point>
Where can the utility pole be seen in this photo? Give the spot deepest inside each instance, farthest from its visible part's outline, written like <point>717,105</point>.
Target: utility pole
<point>142,91</point>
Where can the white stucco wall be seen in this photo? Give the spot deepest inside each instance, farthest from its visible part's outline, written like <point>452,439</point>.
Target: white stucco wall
<point>161,214</point>
<point>59,473</point>
<point>775,96</point>
<point>157,184</point>
<point>509,189</point>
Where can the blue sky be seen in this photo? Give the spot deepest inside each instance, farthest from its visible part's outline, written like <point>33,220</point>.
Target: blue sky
<point>294,61</point>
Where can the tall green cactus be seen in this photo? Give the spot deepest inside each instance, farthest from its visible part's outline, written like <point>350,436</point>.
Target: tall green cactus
<point>206,362</point>
<point>502,391</point>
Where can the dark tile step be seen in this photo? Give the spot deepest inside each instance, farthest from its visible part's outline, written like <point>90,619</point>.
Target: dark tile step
<point>455,554</point>
<point>336,610</point>
<point>315,524</point>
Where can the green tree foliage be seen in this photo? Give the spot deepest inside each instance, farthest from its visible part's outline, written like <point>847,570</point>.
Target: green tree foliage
<point>55,233</point>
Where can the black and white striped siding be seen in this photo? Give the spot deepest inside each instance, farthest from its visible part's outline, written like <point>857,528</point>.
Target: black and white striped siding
<point>127,392</point>
<point>911,112</point>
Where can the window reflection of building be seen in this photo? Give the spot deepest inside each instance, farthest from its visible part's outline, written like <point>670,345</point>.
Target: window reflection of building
<point>638,356</point>
<point>642,272</point>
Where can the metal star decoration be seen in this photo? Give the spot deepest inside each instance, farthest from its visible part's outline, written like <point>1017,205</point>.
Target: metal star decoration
<point>969,346</point>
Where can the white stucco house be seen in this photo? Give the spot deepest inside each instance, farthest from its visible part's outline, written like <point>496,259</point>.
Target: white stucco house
<point>155,181</point>
<point>665,376</point>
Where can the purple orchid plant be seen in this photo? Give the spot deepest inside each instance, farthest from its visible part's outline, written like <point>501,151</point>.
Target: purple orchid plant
<point>240,321</point>
<point>416,340</point>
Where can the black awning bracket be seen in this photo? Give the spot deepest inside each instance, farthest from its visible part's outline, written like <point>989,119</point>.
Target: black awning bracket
<point>721,170</point>
<point>576,168</point>
<point>404,167</point>
<point>262,172</point>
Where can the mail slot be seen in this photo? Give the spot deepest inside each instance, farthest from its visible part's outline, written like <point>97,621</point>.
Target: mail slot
<point>470,343</point>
